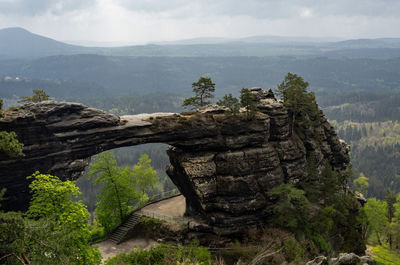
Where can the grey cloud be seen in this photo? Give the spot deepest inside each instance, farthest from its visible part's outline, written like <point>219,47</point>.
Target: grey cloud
<point>38,7</point>
<point>264,9</point>
<point>274,9</point>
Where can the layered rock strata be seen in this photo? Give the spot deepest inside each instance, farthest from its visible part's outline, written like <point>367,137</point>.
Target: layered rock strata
<point>223,165</point>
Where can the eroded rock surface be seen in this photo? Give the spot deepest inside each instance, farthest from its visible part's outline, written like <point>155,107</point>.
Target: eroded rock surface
<point>343,259</point>
<point>222,165</point>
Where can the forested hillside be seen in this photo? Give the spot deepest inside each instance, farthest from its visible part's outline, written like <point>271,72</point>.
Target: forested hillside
<point>117,76</point>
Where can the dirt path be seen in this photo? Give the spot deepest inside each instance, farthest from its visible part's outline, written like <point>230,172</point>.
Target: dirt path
<point>175,207</point>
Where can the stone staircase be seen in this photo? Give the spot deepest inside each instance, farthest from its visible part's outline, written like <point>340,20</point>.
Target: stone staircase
<point>118,234</point>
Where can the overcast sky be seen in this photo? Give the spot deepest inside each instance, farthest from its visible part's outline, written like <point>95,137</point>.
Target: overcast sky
<point>141,21</point>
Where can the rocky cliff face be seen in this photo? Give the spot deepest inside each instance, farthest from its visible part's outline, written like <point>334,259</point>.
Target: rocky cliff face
<point>222,165</point>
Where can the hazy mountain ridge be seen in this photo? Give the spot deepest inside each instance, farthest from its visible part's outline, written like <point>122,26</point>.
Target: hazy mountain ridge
<point>20,43</point>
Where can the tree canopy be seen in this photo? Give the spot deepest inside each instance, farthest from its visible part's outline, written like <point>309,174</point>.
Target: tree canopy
<point>38,95</point>
<point>9,144</point>
<point>203,90</point>
<point>247,102</point>
<point>300,103</point>
<point>231,103</point>
<point>54,231</point>
<point>120,187</point>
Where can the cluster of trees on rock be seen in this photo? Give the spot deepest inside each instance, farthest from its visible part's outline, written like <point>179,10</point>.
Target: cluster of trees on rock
<point>203,89</point>
<point>9,144</point>
<point>318,209</point>
<point>300,103</point>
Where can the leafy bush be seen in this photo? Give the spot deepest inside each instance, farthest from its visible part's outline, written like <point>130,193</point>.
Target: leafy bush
<point>290,209</point>
<point>9,144</point>
<point>292,250</point>
<point>385,256</point>
<point>165,254</point>
<point>320,242</point>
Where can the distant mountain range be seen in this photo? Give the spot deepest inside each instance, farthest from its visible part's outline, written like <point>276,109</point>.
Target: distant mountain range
<point>20,43</point>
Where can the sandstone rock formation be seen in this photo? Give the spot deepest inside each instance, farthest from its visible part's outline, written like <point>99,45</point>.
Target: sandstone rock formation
<point>222,165</point>
<point>343,259</point>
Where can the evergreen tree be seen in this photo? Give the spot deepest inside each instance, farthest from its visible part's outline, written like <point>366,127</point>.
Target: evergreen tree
<point>38,96</point>
<point>247,102</point>
<point>231,103</point>
<point>291,207</point>
<point>293,92</point>
<point>203,90</point>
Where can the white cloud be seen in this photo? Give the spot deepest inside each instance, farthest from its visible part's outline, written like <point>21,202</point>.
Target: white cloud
<point>154,20</point>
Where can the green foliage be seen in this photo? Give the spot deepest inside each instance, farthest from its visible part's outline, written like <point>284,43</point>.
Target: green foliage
<point>361,184</point>
<point>9,144</point>
<point>375,211</point>
<point>290,209</point>
<point>203,89</point>
<point>56,230</point>
<point>192,101</point>
<point>300,103</point>
<point>193,252</point>
<point>38,95</point>
<point>247,102</point>
<point>53,198</point>
<point>144,175</point>
<point>165,254</point>
<point>2,192</point>
<point>383,255</point>
<point>293,251</point>
<point>231,103</point>
<point>320,242</point>
<point>120,187</point>
<point>374,149</point>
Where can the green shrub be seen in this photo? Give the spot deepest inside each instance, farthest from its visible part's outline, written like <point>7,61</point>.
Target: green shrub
<point>165,254</point>
<point>385,256</point>
<point>320,242</point>
<point>292,251</point>
<point>193,252</point>
<point>236,251</point>
<point>9,144</point>
<point>290,209</point>
<point>97,234</point>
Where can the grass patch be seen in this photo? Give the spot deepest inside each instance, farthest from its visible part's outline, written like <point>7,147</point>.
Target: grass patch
<point>385,256</point>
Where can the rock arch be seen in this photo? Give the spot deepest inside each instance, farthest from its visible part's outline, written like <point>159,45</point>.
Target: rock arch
<point>222,165</point>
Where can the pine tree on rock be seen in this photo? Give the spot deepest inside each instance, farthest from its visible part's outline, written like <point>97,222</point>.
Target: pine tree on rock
<point>38,96</point>
<point>247,102</point>
<point>293,92</point>
<point>231,103</point>
<point>203,90</point>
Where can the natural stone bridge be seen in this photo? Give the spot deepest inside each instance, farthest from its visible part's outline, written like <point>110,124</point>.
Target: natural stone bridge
<point>222,165</point>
